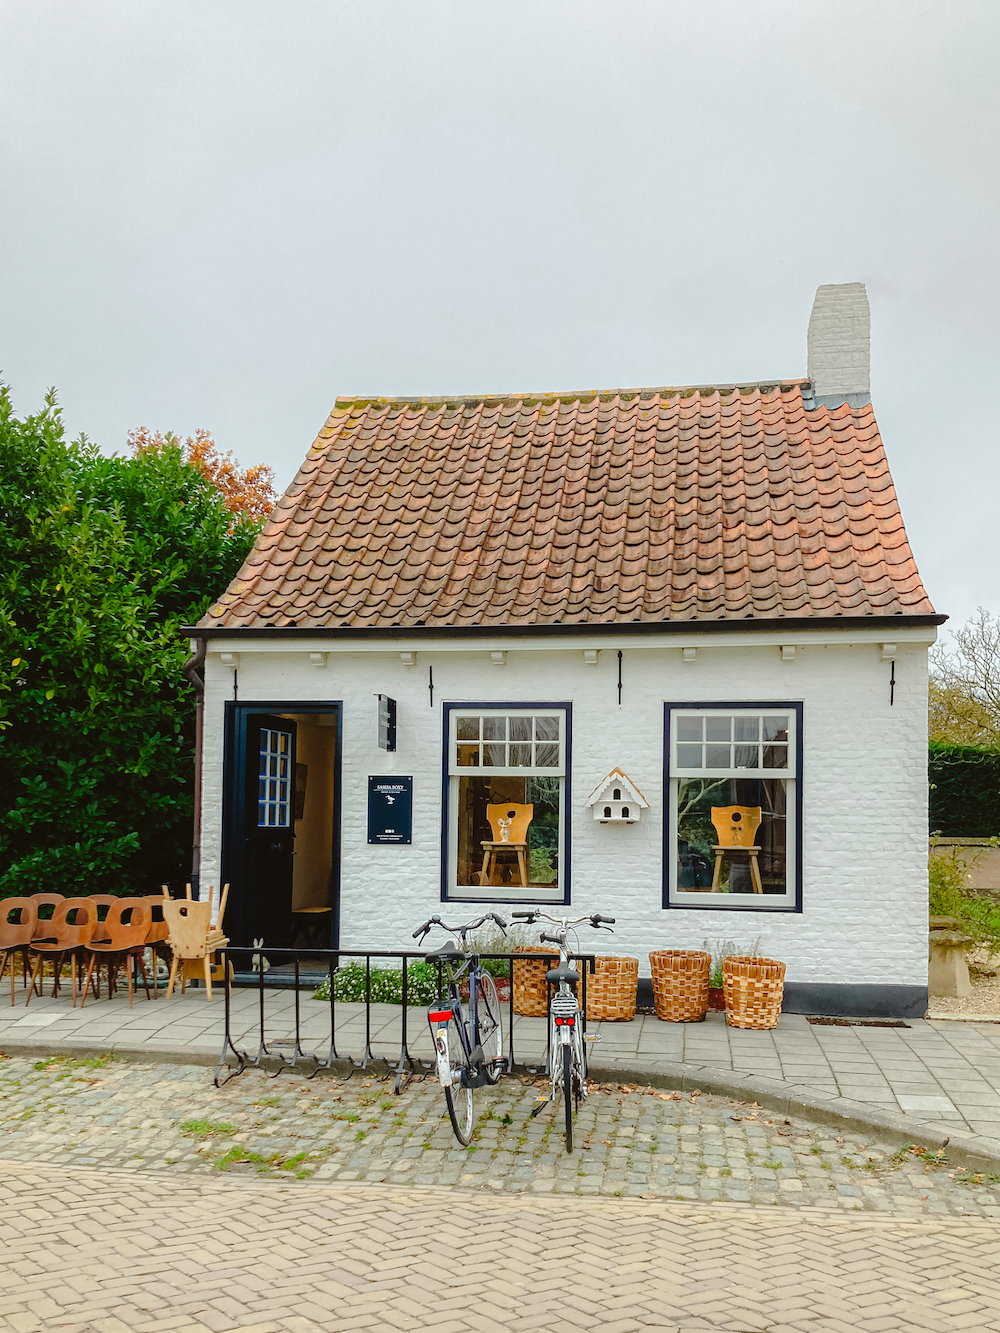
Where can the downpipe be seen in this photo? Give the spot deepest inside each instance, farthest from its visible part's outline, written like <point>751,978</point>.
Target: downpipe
<point>190,672</point>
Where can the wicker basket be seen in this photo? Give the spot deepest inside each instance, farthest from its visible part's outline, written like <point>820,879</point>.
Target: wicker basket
<point>531,990</point>
<point>611,989</point>
<point>680,984</point>
<point>754,990</point>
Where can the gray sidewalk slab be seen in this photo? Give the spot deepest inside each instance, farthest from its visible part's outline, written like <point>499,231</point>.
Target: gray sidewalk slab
<point>930,1070</point>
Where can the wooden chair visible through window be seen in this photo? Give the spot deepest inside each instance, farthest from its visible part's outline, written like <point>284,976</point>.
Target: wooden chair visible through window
<point>509,822</point>
<point>15,935</point>
<point>736,828</point>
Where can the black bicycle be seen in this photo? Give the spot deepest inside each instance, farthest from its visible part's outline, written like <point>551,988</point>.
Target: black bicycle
<point>468,1041</point>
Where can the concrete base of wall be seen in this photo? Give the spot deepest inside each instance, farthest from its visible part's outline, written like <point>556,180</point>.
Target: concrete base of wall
<point>837,1001</point>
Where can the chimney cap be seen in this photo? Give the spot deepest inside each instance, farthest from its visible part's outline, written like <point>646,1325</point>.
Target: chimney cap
<point>839,345</point>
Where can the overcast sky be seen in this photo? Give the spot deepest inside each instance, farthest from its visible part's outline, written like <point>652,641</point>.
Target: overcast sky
<point>224,213</point>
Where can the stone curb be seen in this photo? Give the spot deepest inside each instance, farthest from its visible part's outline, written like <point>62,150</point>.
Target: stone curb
<point>974,1151</point>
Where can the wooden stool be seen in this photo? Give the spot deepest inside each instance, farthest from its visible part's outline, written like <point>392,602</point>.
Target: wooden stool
<point>509,823</point>
<point>752,852</point>
<point>736,826</point>
<point>313,925</point>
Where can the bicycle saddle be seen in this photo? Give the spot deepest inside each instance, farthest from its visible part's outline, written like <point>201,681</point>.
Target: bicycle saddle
<point>556,975</point>
<point>449,952</point>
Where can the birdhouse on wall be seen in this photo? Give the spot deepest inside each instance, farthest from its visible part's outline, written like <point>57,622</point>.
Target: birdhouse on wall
<point>616,800</point>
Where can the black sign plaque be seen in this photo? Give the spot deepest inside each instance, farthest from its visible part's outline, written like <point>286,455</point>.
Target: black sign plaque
<point>390,810</point>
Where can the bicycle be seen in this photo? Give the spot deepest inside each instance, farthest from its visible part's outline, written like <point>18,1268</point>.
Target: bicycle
<point>566,1055</point>
<point>468,1046</point>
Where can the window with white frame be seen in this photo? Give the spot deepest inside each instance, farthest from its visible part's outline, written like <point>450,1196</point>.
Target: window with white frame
<point>732,816</point>
<point>506,776</point>
<point>275,778</point>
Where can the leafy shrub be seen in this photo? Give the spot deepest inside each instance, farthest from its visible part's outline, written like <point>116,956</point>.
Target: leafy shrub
<point>385,984</point>
<point>949,895</point>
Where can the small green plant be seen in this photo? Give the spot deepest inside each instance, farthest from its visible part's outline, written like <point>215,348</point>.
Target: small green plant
<point>350,1116</point>
<point>204,1128</point>
<point>351,984</point>
<point>360,1135</point>
<point>773,1166</point>
<point>816,1150</point>
<point>950,895</point>
<point>722,949</point>
<point>725,1171</point>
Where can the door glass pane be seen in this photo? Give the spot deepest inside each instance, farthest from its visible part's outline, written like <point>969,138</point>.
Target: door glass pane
<point>274,784</point>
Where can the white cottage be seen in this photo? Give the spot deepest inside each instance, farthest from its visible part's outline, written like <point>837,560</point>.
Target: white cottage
<point>467,614</point>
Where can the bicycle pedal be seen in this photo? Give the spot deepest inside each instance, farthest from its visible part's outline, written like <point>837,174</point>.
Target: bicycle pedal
<point>540,1102</point>
<point>595,1037</point>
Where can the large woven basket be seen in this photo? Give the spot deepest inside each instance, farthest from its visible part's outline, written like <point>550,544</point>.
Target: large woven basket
<point>754,989</point>
<point>611,989</point>
<point>531,990</point>
<point>680,984</point>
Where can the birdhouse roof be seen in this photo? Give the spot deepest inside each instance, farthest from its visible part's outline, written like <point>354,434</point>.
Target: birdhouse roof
<point>616,778</point>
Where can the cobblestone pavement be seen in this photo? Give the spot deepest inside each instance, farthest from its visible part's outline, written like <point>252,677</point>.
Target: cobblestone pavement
<point>112,1251</point>
<point>942,1072</point>
<point>113,1113</point>
<point>139,1199</point>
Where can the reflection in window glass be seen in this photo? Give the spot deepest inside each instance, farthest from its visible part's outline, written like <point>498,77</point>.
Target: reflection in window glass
<point>541,854</point>
<point>690,728</point>
<point>699,849</point>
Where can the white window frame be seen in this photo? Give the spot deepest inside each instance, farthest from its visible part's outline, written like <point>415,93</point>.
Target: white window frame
<point>542,893</point>
<point>678,897</point>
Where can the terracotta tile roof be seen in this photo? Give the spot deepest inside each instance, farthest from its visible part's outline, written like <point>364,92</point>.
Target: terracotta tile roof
<point>596,508</point>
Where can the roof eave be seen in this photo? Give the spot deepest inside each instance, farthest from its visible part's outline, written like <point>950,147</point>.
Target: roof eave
<point>555,631</point>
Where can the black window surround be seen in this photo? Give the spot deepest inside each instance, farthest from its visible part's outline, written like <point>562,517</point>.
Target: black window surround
<point>495,705</point>
<point>712,705</point>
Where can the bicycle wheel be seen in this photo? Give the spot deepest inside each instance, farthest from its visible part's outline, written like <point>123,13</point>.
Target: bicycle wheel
<point>490,1027</point>
<point>567,1081</point>
<point>459,1100</point>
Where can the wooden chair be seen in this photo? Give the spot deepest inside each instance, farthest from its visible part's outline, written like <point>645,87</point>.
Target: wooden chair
<point>157,935</point>
<point>193,936</point>
<point>43,900</point>
<point>509,822</point>
<point>15,936</point>
<point>122,944</point>
<point>193,968</point>
<point>736,827</point>
<point>60,939</point>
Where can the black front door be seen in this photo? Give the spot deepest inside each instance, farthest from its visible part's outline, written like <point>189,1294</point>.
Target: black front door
<point>269,830</point>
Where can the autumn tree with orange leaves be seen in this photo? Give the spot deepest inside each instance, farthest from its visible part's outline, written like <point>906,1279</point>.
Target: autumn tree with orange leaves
<point>249,493</point>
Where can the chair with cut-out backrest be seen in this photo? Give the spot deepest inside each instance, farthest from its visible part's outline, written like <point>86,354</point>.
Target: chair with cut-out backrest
<point>193,935</point>
<point>509,822</point>
<point>122,944</point>
<point>71,929</point>
<point>18,920</point>
<point>736,828</point>
<point>46,901</point>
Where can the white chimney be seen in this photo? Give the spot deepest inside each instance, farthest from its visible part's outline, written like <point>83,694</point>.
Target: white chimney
<point>839,339</point>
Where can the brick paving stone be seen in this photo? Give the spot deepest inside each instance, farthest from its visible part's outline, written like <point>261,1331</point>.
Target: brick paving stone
<point>241,1232</point>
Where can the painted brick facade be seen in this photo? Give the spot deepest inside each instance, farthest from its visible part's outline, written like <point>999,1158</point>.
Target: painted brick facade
<point>864,917</point>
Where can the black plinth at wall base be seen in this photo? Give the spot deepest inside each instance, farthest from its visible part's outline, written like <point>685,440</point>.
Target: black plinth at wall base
<point>836,1001</point>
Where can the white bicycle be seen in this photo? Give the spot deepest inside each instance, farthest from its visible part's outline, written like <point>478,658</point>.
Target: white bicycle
<point>566,1057</point>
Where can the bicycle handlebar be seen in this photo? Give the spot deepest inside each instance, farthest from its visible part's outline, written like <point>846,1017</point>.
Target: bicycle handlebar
<point>535,914</point>
<point>461,931</point>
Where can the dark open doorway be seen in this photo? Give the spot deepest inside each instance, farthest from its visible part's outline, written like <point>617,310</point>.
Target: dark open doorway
<point>281,827</point>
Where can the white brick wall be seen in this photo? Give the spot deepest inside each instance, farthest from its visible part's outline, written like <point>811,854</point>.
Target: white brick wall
<point>839,337</point>
<point>864,776</point>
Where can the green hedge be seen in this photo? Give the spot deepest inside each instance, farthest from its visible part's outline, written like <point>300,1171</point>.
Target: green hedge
<point>964,791</point>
